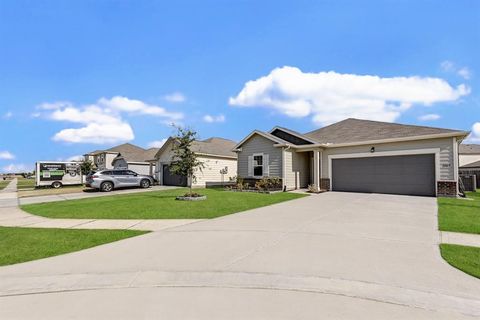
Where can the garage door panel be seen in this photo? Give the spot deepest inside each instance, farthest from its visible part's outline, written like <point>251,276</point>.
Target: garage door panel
<point>410,175</point>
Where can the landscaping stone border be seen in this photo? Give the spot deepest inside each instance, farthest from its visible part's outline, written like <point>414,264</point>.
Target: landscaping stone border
<point>191,198</point>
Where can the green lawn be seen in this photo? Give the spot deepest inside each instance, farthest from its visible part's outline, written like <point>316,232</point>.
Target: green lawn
<point>460,215</point>
<point>25,184</point>
<point>464,258</point>
<point>159,205</point>
<point>26,244</point>
<point>4,183</point>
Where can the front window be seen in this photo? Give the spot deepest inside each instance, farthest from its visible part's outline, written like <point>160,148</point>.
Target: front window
<point>258,166</point>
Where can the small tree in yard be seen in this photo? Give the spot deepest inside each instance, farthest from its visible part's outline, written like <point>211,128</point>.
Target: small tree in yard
<point>185,161</point>
<point>86,167</point>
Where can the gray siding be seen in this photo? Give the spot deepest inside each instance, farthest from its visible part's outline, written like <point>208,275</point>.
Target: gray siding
<point>296,169</point>
<point>445,145</point>
<point>259,144</point>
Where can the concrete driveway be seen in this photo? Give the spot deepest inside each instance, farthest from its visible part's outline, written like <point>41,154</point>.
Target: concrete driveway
<point>334,255</point>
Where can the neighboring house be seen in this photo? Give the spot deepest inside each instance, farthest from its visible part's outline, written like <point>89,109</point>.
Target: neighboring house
<point>125,156</point>
<point>468,153</point>
<point>356,156</point>
<point>469,160</point>
<point>220,163</point>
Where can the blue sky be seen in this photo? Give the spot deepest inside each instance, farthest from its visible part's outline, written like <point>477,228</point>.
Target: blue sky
<point>76,76</point>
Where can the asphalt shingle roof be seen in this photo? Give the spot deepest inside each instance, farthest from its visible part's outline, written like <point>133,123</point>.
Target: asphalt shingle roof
<point>469,149</point>
<point>215,146</point>
<point>472,165</point>
<point>356,130</point>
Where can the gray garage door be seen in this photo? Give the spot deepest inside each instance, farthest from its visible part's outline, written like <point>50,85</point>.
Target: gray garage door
<point>170,179</point>
<point>409,175</point>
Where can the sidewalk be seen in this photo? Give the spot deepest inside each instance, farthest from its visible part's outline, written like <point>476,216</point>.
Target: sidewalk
<point>464,239</point>
<point>12,216</point>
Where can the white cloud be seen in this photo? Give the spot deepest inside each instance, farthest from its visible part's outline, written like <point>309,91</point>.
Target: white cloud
<point>175,97</point>
<point>16,168</point>
<point>7,115</point>
<point>329,96</point>
<point>97,133</point>
<point>210,119</point>
<point>429,117</point>
<point>474,136</point>
<point>156,143</point>
<point>123,104</point>
<point>102,122</point>
<point>449,66</point>
<point>464,72</point>
<point>5,155</point>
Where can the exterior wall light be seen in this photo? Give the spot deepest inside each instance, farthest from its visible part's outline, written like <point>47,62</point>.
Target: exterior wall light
<point>372,149</point>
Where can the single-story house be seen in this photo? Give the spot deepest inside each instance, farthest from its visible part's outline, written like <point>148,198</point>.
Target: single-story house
<point>356,156</point>
<point>125,156</point>
<point>220,163</point>
<point>468,153</point>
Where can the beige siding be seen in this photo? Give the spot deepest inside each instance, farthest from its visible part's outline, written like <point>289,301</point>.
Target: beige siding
<point>468,158</point>
<point>296,169</point>
<point>211,172</point>
<point>445,145</point>
<point>259,144</point>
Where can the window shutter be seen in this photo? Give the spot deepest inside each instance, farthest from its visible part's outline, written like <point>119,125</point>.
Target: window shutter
<point>266,166</point>
<point>250,166</point>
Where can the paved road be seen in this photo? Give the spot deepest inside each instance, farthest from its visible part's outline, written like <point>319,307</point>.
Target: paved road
<point>334,255</point>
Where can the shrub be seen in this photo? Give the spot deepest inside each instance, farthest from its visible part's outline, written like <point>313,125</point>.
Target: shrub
<point>268,183</point>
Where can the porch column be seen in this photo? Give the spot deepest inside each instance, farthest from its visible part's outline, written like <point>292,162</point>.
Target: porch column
<point>316,169</point>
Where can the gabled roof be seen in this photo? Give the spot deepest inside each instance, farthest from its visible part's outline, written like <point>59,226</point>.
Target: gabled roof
<point>356,130</point>
<point>263,134</point>
<point>296,135</point>
<point>469,149</point>
<point>214,146</point>
<point>471,165</point>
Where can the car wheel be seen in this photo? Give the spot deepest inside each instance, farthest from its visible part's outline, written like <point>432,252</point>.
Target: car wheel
<point>56,184</point>
<point>106,187</point>
<point>145,184</point>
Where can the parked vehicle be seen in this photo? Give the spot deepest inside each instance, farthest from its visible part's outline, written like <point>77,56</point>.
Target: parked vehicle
<point>107,180</point>
<point>57,174</point>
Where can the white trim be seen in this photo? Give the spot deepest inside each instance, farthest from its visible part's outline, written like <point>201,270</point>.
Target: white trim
<point>455,162</point>
<point>316,169</point>
<point>435,151</point>
<point>284,169</point>
<point>380,141</point>
<point>253,164</point>
<point>260,133</point>
<point>214,155</point>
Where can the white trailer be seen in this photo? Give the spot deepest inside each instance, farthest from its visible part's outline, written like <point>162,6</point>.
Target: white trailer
<point>57,173</point>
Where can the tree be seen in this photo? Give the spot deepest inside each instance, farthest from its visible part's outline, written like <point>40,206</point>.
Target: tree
<point>185,162</point>
<point>86,167</point>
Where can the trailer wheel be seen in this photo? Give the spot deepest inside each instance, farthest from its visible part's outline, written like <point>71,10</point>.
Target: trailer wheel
<point>56,184</point>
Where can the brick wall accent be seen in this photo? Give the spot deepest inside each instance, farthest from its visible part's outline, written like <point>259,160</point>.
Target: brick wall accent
<point>325,184</point>
<point>446,189</point>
